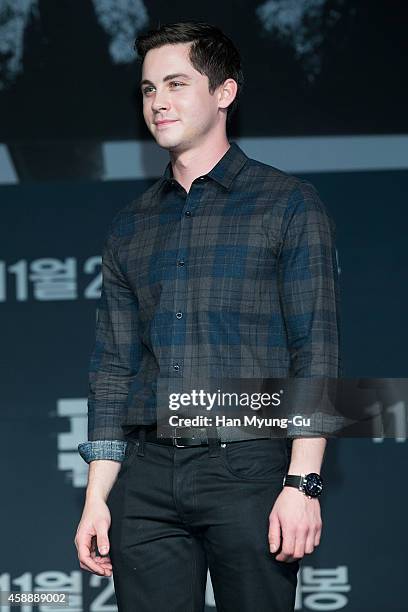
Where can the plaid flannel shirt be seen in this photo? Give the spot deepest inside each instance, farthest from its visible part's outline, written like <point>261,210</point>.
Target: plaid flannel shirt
<point>236,278</point>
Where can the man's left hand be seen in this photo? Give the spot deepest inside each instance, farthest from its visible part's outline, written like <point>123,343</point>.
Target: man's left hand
<point>295,523</point>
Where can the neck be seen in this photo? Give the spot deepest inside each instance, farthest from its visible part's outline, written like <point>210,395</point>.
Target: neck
<point>192,163</point>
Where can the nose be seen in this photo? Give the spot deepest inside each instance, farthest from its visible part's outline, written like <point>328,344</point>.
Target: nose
<point>160,102</point>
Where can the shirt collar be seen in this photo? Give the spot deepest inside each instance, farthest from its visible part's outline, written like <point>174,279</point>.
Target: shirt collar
<point>225,170</point>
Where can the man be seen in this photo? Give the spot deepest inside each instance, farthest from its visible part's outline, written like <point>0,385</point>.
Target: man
<point>224,267</point>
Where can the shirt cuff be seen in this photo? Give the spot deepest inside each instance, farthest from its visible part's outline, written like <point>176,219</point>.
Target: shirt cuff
<point>321,426</point>
<point>102,449</point>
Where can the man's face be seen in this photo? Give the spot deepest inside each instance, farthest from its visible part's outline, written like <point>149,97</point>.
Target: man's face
<point>183,101</point>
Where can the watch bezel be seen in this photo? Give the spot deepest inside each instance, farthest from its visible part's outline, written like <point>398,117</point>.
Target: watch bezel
<point>309,482</point>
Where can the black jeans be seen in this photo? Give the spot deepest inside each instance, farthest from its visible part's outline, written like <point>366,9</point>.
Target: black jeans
<point>178,511</point>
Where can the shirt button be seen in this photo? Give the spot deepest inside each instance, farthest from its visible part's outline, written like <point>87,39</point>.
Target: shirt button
<point>179,315</point>
<point>180,262</point>
<point>188,213</point>
<point>201,178</point>
<point>176,366</point>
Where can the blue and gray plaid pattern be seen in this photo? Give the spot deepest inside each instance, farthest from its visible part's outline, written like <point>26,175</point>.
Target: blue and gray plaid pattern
<point>236,278</point>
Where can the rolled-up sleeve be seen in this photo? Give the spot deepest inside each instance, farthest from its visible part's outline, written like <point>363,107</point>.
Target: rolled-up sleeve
<point>102,449</point>
<point>114,361</point>
<point>309,294</point>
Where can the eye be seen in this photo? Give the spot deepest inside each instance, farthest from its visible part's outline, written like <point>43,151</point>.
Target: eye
<point>149,88</point>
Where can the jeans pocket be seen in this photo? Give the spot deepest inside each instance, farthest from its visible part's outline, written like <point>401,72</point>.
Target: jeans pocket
<point>256,460</point>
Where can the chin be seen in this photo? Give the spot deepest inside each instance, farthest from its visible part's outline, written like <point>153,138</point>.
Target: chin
<point>169,143</point>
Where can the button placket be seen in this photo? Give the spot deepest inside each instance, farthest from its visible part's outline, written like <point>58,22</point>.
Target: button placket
<point>179,292</point>
<point>180,286</point>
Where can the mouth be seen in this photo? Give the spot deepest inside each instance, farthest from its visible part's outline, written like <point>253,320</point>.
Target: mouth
<point>165,122</point>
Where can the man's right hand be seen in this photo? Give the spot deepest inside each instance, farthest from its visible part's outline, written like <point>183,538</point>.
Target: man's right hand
<point>92,532</point>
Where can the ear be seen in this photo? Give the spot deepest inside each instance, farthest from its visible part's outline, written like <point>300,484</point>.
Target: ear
<point>226,93</point>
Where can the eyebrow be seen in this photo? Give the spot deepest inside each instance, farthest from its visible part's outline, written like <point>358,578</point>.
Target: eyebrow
<point>169,77</point>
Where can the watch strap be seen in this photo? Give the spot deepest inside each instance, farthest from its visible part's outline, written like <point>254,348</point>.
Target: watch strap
<point>292,480</point>
<point>309,484</point>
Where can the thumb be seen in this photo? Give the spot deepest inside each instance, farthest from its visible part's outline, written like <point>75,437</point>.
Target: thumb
<point>274,535</point>
<point>102,541</point>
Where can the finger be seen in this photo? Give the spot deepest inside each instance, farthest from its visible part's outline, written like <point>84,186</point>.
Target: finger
<point>103,562</point>
<point>302,534</point>
<point>274,535</point>
<point>310,542</point>
<point>288,544</point>
<point>86,561</point>
<point>318,532</point>
<point>107,572</point>
<point>103,559</point>
<point>99,572</point>
<point>291,558</point>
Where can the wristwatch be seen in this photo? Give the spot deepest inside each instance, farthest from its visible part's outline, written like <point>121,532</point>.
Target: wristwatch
<point>309,484</point>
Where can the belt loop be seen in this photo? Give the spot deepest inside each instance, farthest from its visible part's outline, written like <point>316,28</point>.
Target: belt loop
<point>142,438</point>
<point>213,442</point>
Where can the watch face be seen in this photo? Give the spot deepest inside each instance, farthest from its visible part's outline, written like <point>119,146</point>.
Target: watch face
<point>313,485</point>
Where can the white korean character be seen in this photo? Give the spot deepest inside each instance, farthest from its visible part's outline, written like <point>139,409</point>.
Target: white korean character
<point>68,457</point>
<point>105,599</point>
<point>55,582</point>
<point>54,279</point>
<point>326,588</point>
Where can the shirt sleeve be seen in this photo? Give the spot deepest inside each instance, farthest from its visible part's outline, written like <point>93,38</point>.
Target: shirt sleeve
<point>102,449</point>
<point>114,361</point>
<point>310,297</point>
